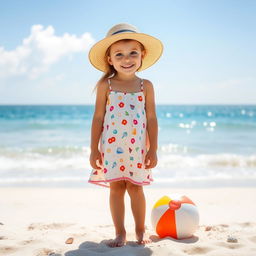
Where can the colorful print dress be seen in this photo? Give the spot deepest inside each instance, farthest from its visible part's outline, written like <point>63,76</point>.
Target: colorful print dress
<point>124,140</point>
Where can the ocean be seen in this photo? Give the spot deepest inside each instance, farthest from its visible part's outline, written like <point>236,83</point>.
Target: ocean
<point>199,145</point>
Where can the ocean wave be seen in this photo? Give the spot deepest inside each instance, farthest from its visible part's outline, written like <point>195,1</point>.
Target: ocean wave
<point>61,151</point>
<point>30,169</point>
<point>74,157</point>
<point>209,160</point>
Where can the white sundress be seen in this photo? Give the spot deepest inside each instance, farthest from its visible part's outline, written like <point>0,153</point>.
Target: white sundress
<point>124,140</point>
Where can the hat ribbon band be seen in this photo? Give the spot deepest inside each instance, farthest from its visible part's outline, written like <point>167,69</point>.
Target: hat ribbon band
<point>123,30</point>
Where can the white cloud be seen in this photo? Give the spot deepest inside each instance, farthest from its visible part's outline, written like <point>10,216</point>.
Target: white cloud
<point>40,50</point>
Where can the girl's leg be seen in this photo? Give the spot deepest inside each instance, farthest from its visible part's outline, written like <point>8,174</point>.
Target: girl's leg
<point>138,205</point>
<point>117,192</point>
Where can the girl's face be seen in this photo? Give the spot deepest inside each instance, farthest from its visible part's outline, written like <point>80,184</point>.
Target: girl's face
<point>126,56</point>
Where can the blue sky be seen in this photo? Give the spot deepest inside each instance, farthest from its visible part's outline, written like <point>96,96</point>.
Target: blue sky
<point>209,49</point>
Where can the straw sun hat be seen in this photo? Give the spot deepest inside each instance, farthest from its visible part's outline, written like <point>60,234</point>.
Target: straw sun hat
<point>153,46</point>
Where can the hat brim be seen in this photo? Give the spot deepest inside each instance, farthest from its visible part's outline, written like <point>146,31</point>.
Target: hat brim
<point>153,49</point>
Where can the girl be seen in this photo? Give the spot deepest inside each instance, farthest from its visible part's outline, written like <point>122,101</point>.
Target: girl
<point>125,123</point>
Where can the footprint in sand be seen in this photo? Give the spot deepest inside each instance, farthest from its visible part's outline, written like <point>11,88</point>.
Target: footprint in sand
<point>229,245</point>
<point>105,226</point>
<point>224,225</point>
<point>221,228</point>
<point>26,242</point>
<point>41,226</point>
<point>253,239</point>
<point>246,224</point>
<point>198,250</point>
<point>46,252</point>
<point>8,249</point>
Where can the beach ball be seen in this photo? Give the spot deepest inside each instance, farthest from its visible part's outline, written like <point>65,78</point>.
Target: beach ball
<point>175,216</point>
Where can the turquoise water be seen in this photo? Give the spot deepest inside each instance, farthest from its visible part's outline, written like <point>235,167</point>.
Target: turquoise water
<point>204,145</point>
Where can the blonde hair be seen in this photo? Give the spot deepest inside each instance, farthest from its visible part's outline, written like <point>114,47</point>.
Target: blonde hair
<point>110,69</point>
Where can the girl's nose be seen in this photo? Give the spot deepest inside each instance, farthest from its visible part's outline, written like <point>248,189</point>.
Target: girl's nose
<point>127,58</point>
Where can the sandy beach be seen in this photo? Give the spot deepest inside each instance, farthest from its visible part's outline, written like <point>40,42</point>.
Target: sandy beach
<point>38,221</point>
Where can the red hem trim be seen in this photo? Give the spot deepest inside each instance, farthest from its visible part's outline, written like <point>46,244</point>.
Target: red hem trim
<point>99,182</point>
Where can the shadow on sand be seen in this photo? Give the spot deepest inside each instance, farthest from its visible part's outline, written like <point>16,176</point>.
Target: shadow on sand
<point>94,249</point>
<point>131,248</point>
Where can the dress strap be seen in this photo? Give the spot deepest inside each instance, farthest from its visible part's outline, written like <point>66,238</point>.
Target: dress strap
<point>141,84</point>
<point>109,83</point>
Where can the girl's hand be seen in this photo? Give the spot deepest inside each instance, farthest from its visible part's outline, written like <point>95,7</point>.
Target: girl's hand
<point>95,155</point>
<point>151,157</point>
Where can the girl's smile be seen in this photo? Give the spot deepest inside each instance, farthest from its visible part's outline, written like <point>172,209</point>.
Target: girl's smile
<point>127,67</point>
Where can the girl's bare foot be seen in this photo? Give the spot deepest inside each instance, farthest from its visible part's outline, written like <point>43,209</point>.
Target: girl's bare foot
<point>142,238</point>
<point>119,241</point>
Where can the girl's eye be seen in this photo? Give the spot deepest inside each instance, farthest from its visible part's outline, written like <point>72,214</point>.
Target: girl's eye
<point>134,53</point>
<point>118,54</point>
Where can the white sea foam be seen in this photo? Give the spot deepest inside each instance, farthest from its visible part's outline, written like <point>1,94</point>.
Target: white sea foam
<point>49,160</point>
<point>32,168</point>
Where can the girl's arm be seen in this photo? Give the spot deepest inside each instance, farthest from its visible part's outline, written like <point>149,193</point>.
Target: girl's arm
<point>97,123</point>
<point>99,113</point>
<point>152,124</point>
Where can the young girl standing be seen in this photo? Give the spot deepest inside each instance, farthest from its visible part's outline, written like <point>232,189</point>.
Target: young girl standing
<point>124,123</point>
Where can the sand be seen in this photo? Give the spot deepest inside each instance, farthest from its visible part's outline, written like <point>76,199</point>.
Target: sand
<point>38,221</point>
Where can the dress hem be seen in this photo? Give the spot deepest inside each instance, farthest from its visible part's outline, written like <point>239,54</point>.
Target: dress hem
<point>100,182</point>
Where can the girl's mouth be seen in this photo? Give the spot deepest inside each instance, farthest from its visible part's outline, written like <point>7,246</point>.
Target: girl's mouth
<point>127,67</point>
